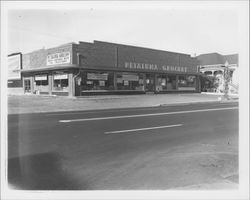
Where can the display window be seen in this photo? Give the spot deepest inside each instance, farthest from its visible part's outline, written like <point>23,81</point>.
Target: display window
<point>161,82</point>
<point>171,82</point>
<point>187,82</point>
<point>97,81</point>
<point>165,82</point>
<point>60,82</point>
<point>129,81</point>
<point>41,83</point>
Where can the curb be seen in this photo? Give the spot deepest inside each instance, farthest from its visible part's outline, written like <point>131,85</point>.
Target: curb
<point>199,102</point>
<point>132,107</point>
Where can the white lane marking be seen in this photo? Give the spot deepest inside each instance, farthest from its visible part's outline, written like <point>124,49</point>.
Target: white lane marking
<point>145,115</point>
<point>142,129</point>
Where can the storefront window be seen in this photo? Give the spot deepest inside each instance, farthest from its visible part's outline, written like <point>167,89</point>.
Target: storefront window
<point>61,82</point>
<point>165,82</point>
<point>41,83</point>
<point>98,81</point>
<point>171,82</point>
<point>187,82</point>
<point>129,81</point>
<point>41,80</point>
<point>161,82</point>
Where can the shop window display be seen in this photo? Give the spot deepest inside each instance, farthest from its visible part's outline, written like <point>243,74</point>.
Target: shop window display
<point>60,82</point>
<point>165,82</point>
<point>171,82</point>
<point>41,83</point>
<point>129,81</point>
<point>186,82</point>
<point>98,81</point>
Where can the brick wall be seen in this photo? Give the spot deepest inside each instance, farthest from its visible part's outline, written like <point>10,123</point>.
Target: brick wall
<point>38,59</point>
<point>125,53</point>
<point>95,55</point>
<point>109,55</point>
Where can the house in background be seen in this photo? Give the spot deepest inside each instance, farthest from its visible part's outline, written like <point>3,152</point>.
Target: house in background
<point>213,64</point>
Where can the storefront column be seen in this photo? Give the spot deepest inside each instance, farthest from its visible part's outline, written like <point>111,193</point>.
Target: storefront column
<point>155,83</point>
<point>115,81</point>
<point>50,83</point>
<point>177,81</point>
<point>32,84</point>
<point>71,83</point>
<point>144,82</point>
<point>198,84</point>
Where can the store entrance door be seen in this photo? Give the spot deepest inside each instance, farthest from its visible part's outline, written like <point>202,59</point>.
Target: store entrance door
<point>27,86</point>
<point>150,83</point>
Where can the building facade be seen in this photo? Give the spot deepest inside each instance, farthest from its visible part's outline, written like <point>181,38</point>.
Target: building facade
<point>107,68</point>
<point>213,64</point>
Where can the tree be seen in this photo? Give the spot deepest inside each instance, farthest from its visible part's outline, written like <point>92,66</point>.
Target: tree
<point>208,83</point>
<point>227,78</point>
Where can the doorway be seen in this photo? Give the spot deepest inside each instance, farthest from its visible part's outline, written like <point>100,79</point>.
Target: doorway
<point>27,85</point>
<point>150,83</point>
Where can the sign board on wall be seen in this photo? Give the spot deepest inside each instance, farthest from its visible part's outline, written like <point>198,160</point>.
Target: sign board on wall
<point>126,83</point>
<point>130,77</point>
<point>96,76</point>
<point>157,67</point>
<point>58,58</point>
<point>41,78</point>
<point>102,83</point>
<point>14,67</point>
<point>60,76</point>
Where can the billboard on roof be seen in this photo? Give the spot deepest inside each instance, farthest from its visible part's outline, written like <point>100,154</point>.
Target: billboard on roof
<point>14,67</point>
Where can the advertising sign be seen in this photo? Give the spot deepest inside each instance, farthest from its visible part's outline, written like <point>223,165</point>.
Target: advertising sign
<point>41,78</point>
<point>157,67</point>
<point>102,83</point>
<point>60,76</point>
<point>96,76</point>
<point>58,58</point>
<point>130,77</point>
<point>14,67</point>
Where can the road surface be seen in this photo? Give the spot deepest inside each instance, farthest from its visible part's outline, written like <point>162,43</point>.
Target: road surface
<point>189,146</point>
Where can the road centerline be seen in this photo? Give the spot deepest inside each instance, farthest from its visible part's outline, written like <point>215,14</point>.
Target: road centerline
<point>143,129</point>
<point>144,115</point>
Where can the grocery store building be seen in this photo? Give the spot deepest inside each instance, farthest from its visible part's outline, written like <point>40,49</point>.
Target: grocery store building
<point>103,68</point>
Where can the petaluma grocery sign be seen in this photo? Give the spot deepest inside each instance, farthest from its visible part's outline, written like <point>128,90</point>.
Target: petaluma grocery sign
<point>154,67</point>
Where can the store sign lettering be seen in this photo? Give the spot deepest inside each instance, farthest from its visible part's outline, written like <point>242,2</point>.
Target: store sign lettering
<point>154,67</point>
<point>58,58</point>
<point>146,66</point>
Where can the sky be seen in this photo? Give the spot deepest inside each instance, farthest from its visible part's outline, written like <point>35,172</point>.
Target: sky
<point>185,29</point>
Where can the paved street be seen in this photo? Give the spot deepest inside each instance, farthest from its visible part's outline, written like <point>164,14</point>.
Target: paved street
<point>165,147</point>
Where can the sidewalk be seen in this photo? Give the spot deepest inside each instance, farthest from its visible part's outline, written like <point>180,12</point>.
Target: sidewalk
<point>18,104</point>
